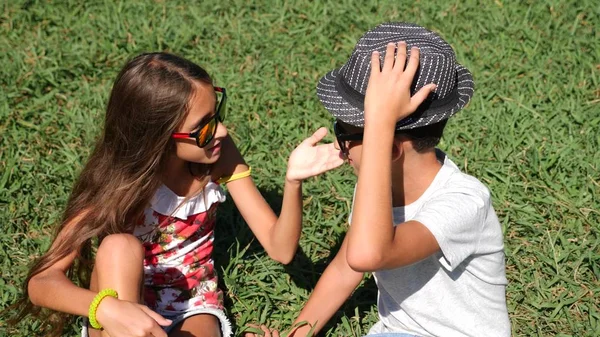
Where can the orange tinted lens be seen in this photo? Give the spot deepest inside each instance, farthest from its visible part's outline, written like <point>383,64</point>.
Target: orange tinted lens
<point>206,134</point>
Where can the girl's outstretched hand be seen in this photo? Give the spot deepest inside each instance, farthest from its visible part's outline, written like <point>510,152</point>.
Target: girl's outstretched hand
<point>388,97</point>
<point>310,158</point>
<point>128,319</point>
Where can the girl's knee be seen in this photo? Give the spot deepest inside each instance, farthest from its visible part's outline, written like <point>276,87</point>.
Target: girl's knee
<point>120,247</point>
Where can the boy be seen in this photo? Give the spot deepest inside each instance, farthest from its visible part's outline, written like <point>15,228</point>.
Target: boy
<point>427,231</point>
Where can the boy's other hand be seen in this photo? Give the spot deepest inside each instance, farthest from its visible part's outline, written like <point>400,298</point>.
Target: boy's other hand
<point>388,97</point>
<point>310,158</point>
<point>261,331</point>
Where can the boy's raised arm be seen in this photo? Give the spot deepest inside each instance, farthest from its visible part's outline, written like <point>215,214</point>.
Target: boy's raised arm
<point>373,242</point>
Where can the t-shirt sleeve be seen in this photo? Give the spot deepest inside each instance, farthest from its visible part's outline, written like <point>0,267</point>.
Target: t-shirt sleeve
<point>455,217</point>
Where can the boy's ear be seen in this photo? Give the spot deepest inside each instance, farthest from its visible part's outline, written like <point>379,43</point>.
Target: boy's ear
<point>397,150</point>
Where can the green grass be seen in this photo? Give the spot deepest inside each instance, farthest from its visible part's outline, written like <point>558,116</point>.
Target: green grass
<point>530,134</point>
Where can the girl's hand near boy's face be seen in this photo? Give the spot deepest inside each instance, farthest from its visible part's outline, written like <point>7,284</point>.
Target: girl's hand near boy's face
<point>388,99</point>
<point>309,159</point>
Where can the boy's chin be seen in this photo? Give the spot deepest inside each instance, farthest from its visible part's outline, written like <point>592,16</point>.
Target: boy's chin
<point>355,168</point>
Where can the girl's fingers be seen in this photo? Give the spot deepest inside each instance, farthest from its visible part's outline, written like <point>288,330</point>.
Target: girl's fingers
<point>316,137</point>
<point>413,65</point>
<point>421,96</point>
<point>400,57</point>
<point>157,331</point>
<point>335,163</point>
<point>156,317</point>
<point>390,51</point>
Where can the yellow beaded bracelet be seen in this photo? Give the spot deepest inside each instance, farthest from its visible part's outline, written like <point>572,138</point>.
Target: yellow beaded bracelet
<point>96,302</point>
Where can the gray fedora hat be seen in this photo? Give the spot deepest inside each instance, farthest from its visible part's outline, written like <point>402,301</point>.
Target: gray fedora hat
<point>342,91</point>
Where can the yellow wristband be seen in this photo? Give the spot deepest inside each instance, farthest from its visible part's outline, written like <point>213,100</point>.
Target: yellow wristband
<point>96,302</point>
<point>236,176</point>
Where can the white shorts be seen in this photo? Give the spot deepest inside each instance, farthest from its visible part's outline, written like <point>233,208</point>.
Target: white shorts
<point>218,313</point>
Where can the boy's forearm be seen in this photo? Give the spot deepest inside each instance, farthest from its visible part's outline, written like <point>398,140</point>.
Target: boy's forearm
<point>372,231</point>
<point>286,232</point>
<point>334,287</point>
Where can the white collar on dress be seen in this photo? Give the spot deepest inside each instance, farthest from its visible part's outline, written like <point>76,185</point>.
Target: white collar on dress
<point>166,202</point>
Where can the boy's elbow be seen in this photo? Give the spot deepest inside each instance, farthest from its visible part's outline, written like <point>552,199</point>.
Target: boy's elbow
<point>283,257</point>
<point>364,260</point>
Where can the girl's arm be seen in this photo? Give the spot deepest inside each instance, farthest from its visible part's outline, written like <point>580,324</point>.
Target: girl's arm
<point>279,236</point>
<point>52,289</point>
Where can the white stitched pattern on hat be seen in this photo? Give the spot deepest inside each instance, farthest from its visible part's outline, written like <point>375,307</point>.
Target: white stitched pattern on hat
<point>420,77</point>
<point>357,68</point>
<point>397,27</point>
<point>326,90</point>
<point>444,76</point>
<point>329,102</point>
<point>435,71</point>
<point>330,96</point>
<point>349,109</point>
<point>328,77</point>
<point>367,73</point>
<point>463,74</point>
<point>328,85</point>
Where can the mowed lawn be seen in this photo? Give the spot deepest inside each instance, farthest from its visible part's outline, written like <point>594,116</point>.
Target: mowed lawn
<point>530,134</point>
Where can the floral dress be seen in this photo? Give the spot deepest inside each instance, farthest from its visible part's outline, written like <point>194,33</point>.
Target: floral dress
<point>179,273</point>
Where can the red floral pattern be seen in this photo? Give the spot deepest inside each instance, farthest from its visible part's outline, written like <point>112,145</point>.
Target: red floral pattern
<point>179,272</point>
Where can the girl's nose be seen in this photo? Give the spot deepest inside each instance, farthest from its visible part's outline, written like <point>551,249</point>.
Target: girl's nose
<point>221,131</point>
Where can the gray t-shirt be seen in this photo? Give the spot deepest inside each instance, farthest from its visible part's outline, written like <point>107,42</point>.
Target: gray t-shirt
<point>459,291</point>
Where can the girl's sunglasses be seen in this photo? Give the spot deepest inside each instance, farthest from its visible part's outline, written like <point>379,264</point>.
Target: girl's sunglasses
<point>343,138</point>
<point>206,131</point>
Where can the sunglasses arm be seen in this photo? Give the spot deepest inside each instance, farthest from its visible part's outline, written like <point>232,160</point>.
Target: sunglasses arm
<point>181,135</point>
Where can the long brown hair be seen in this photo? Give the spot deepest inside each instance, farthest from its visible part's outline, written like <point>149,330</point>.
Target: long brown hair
<point>148,101</point>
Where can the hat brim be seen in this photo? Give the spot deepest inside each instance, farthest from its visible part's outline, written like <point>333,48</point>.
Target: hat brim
<point>341,109</point>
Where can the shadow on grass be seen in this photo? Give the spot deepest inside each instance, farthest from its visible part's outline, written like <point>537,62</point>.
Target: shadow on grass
<point>305,273</point>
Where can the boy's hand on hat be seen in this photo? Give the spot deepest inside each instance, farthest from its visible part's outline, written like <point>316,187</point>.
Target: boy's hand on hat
<point>388,97</point>
<point>311,158</point>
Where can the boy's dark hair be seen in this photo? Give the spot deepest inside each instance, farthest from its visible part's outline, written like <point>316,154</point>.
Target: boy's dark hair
<point>425,137</point>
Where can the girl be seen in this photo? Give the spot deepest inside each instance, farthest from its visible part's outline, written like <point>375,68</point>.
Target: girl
<point>149,193</point>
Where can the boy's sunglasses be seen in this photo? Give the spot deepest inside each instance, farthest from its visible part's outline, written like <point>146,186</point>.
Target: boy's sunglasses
<point>342,138</point>
<point>206,131</point>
